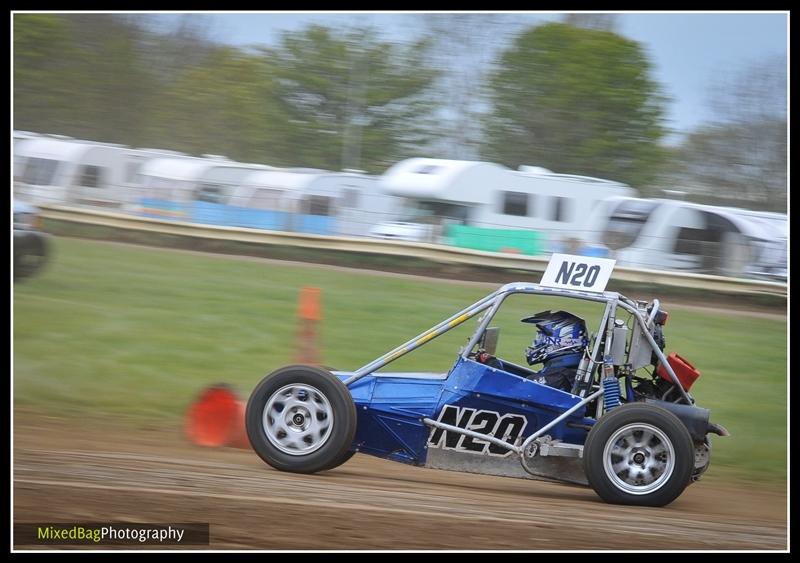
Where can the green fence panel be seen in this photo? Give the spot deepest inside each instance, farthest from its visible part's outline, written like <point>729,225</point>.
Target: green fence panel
<point>517,241</point>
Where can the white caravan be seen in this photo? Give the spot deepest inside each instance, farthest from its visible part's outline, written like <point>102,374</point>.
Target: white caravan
<point>21,138</point>
<point>68,171</point>
<point>677,235</point>
<point>210,179</point>
<point>61,170</point>
<point>315,201</point>
<point>490,196</point>
<point>174,187</point>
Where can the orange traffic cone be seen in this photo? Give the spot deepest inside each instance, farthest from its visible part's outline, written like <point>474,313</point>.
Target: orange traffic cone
<point>309,313</point>
<point>216,418</point>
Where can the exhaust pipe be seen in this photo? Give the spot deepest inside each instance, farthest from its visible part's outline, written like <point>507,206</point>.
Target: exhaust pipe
<point>717,429</point>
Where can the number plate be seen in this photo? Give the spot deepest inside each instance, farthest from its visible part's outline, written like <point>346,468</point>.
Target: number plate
<point>578,272</point>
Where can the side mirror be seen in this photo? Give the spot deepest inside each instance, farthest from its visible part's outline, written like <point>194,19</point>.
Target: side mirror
<point>488,342</point>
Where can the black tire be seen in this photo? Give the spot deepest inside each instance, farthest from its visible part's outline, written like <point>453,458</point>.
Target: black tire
<point>315,397</point>
<point>345,457</point>
<point>30,254</point>
<point>663,463</point>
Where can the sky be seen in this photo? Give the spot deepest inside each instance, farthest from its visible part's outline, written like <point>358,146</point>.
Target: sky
<point>690,51</point>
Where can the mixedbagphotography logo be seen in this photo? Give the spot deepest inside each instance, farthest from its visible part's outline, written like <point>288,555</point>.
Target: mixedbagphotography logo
<point>111,533</point>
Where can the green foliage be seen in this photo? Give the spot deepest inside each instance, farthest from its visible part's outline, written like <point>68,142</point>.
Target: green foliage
<point>739,157</point>
<point>350,100</point>
<point>735,164</point>
<point>80,75</point>
<point>578,101</point>
<point>223,104</point>
<point>42,70</point>
<point>320,99</point>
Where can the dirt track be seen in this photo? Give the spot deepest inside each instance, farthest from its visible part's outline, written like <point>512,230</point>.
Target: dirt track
<point>69,472</point>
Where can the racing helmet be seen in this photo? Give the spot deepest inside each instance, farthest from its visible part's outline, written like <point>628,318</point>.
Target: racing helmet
<point>558,334</point>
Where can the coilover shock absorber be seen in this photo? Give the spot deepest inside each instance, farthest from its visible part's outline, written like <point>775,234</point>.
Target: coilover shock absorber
<point>610,385</point>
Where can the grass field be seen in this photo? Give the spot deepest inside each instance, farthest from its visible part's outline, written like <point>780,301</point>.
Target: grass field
<point>118,331</point>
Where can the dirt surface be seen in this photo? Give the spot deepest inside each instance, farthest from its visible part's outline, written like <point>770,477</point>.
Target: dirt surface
<point>93,470</point>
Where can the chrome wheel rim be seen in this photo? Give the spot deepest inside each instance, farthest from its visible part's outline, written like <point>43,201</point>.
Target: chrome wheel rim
<point>639,458</point>
<point>297,419</point>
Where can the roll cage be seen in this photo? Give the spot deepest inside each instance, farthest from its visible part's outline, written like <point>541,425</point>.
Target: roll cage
<point>587,382</point>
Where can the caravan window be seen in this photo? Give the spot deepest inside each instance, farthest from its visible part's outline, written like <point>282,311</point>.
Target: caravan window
<point>91,177</point>
<point>40,171</point>
<point>212,193</point>
<point>718,244</point>
<point>560,209</point>
<point>515,203</point>
<point>433,212</point>
<point>626,222</point>
<point>691,241</point>
<point>318,205</point>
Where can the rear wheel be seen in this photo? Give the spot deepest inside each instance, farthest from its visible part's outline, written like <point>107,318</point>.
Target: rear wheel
<point>301,419</point>
<point>639,454</point>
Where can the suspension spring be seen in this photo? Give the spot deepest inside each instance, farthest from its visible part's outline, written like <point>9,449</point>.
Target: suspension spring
<point>610,393</point>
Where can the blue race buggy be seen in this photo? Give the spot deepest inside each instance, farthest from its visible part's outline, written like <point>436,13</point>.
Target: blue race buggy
<point>627,427</point>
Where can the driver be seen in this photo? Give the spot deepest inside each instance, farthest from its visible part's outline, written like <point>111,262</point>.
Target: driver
<point>559,346</point>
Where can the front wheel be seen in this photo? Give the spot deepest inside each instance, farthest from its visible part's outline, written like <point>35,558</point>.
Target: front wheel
<point>639,454</point>
<point>301,419</point>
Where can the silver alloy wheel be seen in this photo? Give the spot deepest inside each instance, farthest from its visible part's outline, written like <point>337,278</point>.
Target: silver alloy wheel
<point>297,419</point>
<point>639,458</point>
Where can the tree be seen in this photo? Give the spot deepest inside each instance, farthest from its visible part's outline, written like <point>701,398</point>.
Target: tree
<point>224,105</point>
<point>349,100</point>
<point>101,76</point>
<point>320,99</point>
<point>577,101</point>
<point>80,75</point>
<point>42,70</point>
<point>734,164</point>
<point>740,157</point>
<point>189,44</point>
<point>462,47</point>
<point>756,91</point>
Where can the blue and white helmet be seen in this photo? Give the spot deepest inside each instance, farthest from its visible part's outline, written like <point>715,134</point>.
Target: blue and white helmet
<point>559,333</point>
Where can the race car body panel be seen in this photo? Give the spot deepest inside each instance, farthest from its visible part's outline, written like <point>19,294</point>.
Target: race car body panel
<point>390,410</point>
<point>473,396</point>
